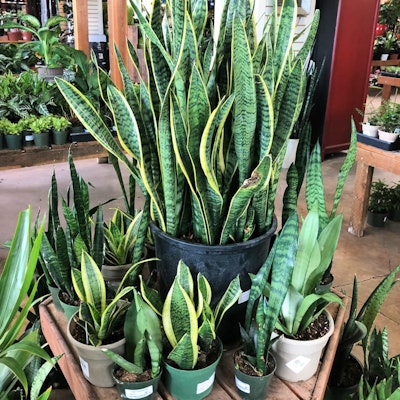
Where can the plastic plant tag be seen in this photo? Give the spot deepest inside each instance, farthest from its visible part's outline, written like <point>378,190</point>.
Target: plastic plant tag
<point>84,366</point>
<point>203,386</point>
<point>298,364</point>
<point>138,393</point>
<point>242,386</point>
<point>244,297</point>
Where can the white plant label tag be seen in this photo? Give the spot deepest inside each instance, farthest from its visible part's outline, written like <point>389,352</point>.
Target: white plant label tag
<point>244,297</point>
<point>138,393</point>
<point>244,387</point>
<point>203,386</point>
<point>84,366</point>
<point>298,364</point>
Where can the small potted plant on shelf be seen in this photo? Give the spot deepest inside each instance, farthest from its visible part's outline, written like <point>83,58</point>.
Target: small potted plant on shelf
<point>139,370</point>
<point>254,363</point>
<point>41,126</point>
<point>346,369</point>
<point>389,122</point>
<point>378,204</point>
<point>48,45</point>
<point>60,127</point>
<point>98,322</point>
<point>12,132</point>
<point>303,320</point>
<point>190,323</point>
<point>121,237</point>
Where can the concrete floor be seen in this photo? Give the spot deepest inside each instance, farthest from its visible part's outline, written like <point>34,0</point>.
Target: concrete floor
<point>369,257</point>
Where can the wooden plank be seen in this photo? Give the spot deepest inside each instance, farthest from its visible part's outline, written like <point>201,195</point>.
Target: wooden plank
<point>81,25</point>
<point>118,30</point>
<point>388,82</point>
<point>32,156</point>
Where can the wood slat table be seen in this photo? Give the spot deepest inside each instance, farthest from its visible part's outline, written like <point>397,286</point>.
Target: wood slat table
<point>54,325</point>
<point>31,156</point>
<point>368,158</point>
<point>388,82</point>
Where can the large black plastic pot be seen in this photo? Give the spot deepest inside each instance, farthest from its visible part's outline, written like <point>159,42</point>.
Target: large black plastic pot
<point>219,264</point>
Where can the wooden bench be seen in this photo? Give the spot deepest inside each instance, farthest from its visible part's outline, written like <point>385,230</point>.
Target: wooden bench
<point>54,325</point>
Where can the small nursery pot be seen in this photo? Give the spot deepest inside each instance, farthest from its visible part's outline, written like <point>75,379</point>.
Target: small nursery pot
<point>298,360</point>
<point>95,364</point>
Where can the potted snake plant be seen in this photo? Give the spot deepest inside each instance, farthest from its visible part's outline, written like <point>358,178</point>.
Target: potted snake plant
<point>140,370</point>
<point>190,323</point>
<point>254,362</point>
<point>98,322</point>
<point>207,132</point>
<point>303,321</point>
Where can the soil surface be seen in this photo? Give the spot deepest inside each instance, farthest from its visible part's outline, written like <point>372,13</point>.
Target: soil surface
<point>79,334</point>
<point>125,376</point>
<point>239,359</point>
<point>316,330</point>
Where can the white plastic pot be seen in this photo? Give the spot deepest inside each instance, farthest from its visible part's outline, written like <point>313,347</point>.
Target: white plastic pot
<point>370,130</point>
<point>388,136</point>
<point>298,360</point>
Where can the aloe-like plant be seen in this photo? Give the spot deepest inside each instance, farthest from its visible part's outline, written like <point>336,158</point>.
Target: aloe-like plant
<point>18,289</point>
<point>143,334</point>
<point>99,316</point>
<point>209,129</point>
<point>358,326</point>
<point>189,322</point>
<point>314,252</point>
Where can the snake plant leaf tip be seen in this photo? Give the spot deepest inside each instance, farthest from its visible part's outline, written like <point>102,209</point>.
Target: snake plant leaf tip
<point>208,129</point>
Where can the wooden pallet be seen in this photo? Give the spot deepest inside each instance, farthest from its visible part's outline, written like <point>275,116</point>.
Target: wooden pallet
<point>54,325</point>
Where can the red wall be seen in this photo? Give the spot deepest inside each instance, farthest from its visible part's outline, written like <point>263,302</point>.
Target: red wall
<point>349,70</point>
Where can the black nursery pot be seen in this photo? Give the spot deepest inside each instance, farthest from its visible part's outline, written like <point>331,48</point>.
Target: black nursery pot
<point>219,264</point>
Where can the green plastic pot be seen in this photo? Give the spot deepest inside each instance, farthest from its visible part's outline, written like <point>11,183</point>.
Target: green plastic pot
<point>69,309</point>
<point>376,219</point>
<point>41,139</point>
<point>193,384</point>
<point>14,142</point>
<point>60,137</point>
<point>137,390</point>
<point>253,387</point>
<point>1,141</point>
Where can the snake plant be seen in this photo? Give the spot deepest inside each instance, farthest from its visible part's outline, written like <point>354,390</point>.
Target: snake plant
<point>302,303</point>
<point>262,313</point>
<point>208,130</point>
<point>189,322</point>
<point>142,331</point>
<point>99,316</point>
<point>62,247</point>
<point>359,325</point>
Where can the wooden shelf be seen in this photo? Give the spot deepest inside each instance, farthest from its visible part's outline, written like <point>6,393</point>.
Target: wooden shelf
<point>54,325</point>
<point>31,156</point>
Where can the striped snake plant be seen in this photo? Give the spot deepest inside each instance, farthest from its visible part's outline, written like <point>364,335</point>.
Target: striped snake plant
<point>206,133</point>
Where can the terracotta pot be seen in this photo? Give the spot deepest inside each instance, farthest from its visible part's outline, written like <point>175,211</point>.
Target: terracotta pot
<point>26,36</point>
<point>14,36</point>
